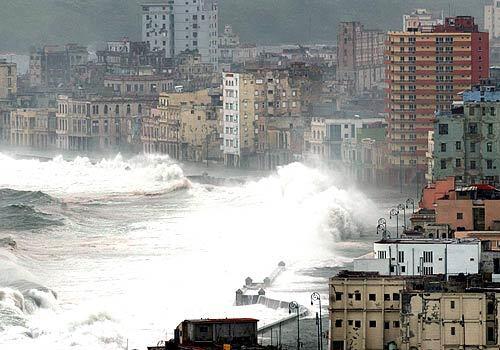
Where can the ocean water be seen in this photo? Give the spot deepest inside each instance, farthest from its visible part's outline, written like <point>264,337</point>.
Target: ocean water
<point>101,255</point>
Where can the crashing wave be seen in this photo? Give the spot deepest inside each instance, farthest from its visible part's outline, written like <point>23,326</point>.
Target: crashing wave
<point>82,177</point>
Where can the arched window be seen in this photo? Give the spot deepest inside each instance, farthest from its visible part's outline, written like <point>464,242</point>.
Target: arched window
<point>105,109</point>
<point>117,109</point>
<point>139,108</point>
<point>128,109</point>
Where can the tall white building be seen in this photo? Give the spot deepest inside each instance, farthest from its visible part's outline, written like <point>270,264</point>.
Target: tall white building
<point>492,19</point>
<point>158,27</point>
<point>180,25</point>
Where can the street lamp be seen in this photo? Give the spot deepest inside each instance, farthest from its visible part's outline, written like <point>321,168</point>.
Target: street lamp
<point>412,202</point>
<point>382,227</point>
<point>291,307</point>
<point>403,208</point>
<point>319,321</point>
<point>395,213</point>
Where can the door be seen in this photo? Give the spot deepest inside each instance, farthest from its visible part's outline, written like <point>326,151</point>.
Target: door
<point>478,216</point>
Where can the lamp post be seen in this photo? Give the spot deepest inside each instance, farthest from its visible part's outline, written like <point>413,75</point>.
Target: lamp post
<point>291,307</point>
<point>319,321</point>
<point>412,202</point>
<point>403,208</point>
<point>395,213</point>
<point>382,227</point>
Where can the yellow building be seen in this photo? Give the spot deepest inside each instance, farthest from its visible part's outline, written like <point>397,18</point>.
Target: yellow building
<point>373,312</point>
<point>189,125</point>
<point>33,127</point>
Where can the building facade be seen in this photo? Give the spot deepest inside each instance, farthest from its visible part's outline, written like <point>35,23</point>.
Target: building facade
<point>466,141</point>
<point>33,127</point>
<point>8,82</point>
<point>360,56</point>
<point>420,20</point>
<point>185,126</point>
<point>424,73</point>
<point>99,123</point>
<point>177,26</point>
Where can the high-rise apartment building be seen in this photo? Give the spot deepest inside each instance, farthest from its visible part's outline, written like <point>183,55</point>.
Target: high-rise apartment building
<point>178,25</point>
<point>492,19</point>
<point>360,56</point>
<point>425,72</point>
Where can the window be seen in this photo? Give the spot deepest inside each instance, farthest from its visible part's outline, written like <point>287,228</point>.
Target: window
<point>458,163</point>
<point>350,295</point>
<point>460,216</point>
<point>203,329</point>
<point>372,297</point>
<point>350,322</point>
<point>452,304</point>
<point>491,330</point>
<point>473,164</point>
<point>489,147</point>
<point>473,147</point>
<point>472,128</point>
<point>373,324</point>
<point>401,257</point>
<point>443,163</point>
<point>386,325</point>
<point>357,296</point>
<point>427,257</point>
<point>403,269</point>
<point>428,270</point>
<point>387,297</point>
<point>338,323</point>
<point>452,330</point>
<point>443,129</point>
<point>489,164</point>
<point>490,128</point>
<point>443,147</point>
<point>395,296</point>
<point>357,324</point>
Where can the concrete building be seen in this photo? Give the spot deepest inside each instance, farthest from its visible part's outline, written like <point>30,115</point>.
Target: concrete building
<point>139,85</point>
<point>425,72</point>
<point>187,126</point>
<point>177,25</point>
<point>492,19</point>
<point>228,43</point>
<point>158,27</point>
<point>126,57</point>
<point>56,66</point>
<point>209,333</point>
<point>463,208</point>
<point>360,56</point>
<point>371,311</point>
<point>329,134</point>
<point>421,20</point>
<point>467,141</point>
<point>419,257</point>
<point>100,123</point>
<point>270,110</point>
<point>8,82</point>
<point>33,127</point>
<point>365,157</point>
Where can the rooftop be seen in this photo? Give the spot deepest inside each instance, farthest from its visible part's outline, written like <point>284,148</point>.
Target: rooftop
<point>428,241</point>
<point>222,320</point>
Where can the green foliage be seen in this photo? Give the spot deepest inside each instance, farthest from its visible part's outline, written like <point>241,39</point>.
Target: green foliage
<point>24,23</point>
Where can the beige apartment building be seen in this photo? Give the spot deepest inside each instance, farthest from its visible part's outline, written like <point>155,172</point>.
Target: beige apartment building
<point>33,127</point>
<point>99,123</point>
<point>8,81</point>
<point>264,115</point>
<point>187,125</point>
<point>373,312</point>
